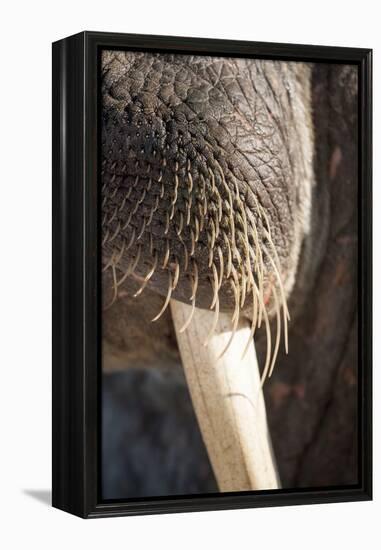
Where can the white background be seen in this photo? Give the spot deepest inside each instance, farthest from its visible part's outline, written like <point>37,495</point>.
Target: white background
<point>27,30</point>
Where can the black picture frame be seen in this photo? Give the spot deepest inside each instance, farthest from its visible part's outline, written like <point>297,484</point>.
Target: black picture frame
<point>76,268</point>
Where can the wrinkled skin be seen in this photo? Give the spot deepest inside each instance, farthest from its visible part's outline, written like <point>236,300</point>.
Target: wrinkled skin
<point>238,125</point>
<point>286,135</point>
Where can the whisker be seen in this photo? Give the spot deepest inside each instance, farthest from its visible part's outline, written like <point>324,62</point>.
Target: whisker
<point>221,260</point>
<point>194,280</point>
<point>188,321</point>
<point>197,228</point>
<point>284,304</point>
<point>236,293</point>
<point>190,186</point>
<point>278,331</point>
<point>135,209</point>
<point>217,225</point>
<point>212,180</point>
<point>193,299</point>
<point>243,287</point>
<point>186,257</point>
<point>119,257</point>
<point>229,266</point>
<point>188,203</point>
<point>115,288</point>
<point>268,341</point>
<point>142,197</point>
<point>180,228</point>
<point>201,217</point>
<point>150,243</point>
<point>214,322</point>
<point>192,243</point>
<point>132,266</point>
<point>166,223</point>
<point>113,215</point>
<point>176,187</point>
<point>105,237</point>
<point>214,286</point>
<point>132,239</point>
<point>166,256</point>
<point>147,277</point>
<point>165,305</point>
<point>127,223</point>
<point>109,263</point>
<point>142,229</point>
<point>213,235</point>
<point>177,274</point>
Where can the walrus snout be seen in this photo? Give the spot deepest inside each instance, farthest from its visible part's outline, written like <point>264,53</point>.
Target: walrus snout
<point>200,199</point>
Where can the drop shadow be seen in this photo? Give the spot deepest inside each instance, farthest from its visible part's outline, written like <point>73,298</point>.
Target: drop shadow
<point>42,495</point>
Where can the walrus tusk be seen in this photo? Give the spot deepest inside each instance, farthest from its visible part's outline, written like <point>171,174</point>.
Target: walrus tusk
<point>228,400</point>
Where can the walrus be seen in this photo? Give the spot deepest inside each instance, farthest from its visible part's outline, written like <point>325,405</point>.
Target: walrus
<point>229,185</point>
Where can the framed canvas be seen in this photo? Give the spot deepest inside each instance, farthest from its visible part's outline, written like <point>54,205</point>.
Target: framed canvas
<point>211,274</point>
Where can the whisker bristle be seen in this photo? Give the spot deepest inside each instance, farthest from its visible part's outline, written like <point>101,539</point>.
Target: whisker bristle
<point>214,234</point>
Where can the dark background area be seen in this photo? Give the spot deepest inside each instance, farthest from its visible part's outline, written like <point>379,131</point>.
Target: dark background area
<point>151,443</point>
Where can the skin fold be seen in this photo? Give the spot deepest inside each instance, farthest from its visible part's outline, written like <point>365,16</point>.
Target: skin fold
<point>238,143</point>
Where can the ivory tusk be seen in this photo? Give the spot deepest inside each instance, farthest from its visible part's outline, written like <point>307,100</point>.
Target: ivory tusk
<point>228,400</point>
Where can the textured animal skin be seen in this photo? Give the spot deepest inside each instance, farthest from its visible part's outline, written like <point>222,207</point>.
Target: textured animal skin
<point>272,144</point>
